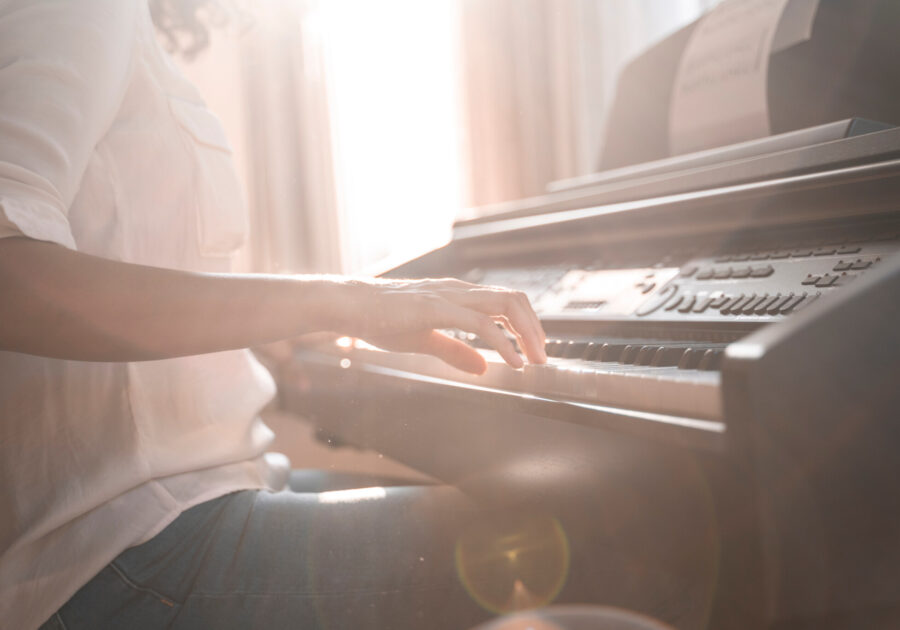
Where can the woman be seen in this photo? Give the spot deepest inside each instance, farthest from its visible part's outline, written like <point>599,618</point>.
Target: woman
<point>133,471</point>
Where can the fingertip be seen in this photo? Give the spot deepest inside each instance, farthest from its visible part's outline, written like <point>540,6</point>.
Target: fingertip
<point>473,363</point>
<point>456,354</point>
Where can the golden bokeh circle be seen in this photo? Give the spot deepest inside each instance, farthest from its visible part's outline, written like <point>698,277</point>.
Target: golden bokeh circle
<point>507,565</point>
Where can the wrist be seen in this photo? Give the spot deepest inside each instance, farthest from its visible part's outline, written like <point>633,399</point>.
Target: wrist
<point>334,304</point>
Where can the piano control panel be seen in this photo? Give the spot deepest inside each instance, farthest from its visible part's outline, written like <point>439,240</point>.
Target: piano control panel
<point>749,285</point>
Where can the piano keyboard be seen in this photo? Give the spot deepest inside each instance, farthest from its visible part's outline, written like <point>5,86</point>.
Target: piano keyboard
<point>675,378</point>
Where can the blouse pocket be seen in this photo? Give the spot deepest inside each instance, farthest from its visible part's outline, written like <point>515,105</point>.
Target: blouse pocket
<point>221,216</point>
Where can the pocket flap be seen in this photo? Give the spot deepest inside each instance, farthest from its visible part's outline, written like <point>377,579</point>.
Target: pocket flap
<point>201,123</point>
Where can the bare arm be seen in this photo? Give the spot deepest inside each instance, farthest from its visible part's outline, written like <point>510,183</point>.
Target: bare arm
<point>61,303</point>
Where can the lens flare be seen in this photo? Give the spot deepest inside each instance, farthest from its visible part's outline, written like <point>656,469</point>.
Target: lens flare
<point>576,617</point>
<point>511,564</point>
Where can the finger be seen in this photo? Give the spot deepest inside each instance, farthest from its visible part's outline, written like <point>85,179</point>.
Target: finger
<point>454,316</point>
<point>533,316</point>
<point>510,330</point>
<point>454,352</point>
<point>521,318</point>
<point>514,307</point>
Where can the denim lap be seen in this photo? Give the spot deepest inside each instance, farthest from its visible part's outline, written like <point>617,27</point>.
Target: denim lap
<point>290,560</point>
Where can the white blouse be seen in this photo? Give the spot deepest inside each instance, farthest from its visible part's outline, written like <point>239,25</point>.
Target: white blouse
<point>107,149</point>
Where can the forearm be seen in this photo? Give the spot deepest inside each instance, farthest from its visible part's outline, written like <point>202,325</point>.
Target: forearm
<point>64,304</point>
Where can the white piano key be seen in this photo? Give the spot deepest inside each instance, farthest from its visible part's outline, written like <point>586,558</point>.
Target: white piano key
<point>688,393</point>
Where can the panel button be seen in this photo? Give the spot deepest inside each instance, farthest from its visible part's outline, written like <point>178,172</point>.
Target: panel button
<point>760,256</point>
<point>849,249</point>
<point>722,273</point>
<point>722,259</point>
<point>720,301</point>
<point>702,303</point>
<point>687,272</point>
<point>779,255</point>
<point>775,307</point>
<point>687,304</point>
<point>655,302</point>
<point>861,264</point>
<point>842,265</point>
<point>824,251</point>
<point>801,253</point>
<point>827,280</point>
<point>741,272</point>
<point>674,302</point>
<point>807,302</point>
<point>740,257</point>
<point>726,308</point>
<point>793,303</point>
<point>706,274</point>
<point>737,307</point>
<point>763,271</point>
<point>763,307</point>
<point>810,279</point>
<point>750,307</point>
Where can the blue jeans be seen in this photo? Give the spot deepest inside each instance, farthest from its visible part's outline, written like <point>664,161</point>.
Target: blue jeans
<point>291,559</point>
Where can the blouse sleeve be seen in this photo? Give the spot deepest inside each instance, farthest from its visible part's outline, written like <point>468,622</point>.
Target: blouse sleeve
<point>64,69</point>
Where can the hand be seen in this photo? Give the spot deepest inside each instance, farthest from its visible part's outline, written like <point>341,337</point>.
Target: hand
<point>405,315</point>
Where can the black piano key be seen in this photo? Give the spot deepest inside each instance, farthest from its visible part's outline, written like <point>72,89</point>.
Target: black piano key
<point>612,351</point>
<point>667,356</point>
<point>711,360</point>
<point>573,349</point>
<point>645,355</point>
<point>554,347</point>
<point>591,351</point>
<point>629,354</point>
<point>690,359</point>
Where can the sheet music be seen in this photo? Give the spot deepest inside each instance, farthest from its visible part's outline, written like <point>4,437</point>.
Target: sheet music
<point>796,24</point>
<point>720,91</point>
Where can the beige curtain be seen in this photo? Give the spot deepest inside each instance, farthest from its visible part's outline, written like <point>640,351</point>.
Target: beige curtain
<point>518,59</point>
<point>539,76</point>
<point>291,183</point>
<point>264,76</point>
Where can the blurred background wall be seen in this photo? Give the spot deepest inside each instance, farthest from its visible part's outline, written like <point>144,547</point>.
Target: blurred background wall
<point>361,129</point>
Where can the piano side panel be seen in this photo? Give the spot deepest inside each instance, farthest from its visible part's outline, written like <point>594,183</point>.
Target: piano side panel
<point>816,403</point>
